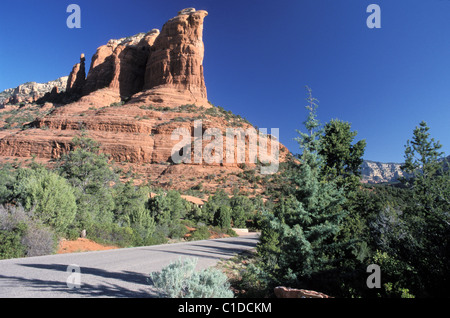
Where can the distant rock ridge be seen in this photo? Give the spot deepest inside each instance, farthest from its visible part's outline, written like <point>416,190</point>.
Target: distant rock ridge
<point>379,172</point>
<point>389,172</point>
<point>31,92</point>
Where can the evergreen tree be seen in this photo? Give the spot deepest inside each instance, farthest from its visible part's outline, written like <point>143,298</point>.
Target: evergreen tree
<point>211,208</point>
<point>90,173</point>
<point>429,180</point>
<point>297,239</point>
<point>342,158</point>
<point>426,219</point>
<point>242,210</point>
<point>130,211</point>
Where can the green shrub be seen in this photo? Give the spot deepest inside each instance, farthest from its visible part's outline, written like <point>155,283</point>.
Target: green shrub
<point>111,234</point>
<point>222,218</point>
<point>177,230</point>
<point>231,233</point>
<point>21,235</point>
<point>159,236</point>
<point>48,194</point>
<point>90,173</point>
<point>168,207</point>
<point>10,242</point>
<point>201,233</point>
<point>180,280</point>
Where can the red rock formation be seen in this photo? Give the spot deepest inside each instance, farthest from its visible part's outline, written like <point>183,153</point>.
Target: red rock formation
<point>77,78</point>
<point>163,71</point>
<point>175,65</point>
<point>120,65</point>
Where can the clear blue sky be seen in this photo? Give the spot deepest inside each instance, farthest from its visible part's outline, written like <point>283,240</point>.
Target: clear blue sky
<point>261,54</point>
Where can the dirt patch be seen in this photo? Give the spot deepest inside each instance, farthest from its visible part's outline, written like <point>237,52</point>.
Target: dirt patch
<point>81,245</point>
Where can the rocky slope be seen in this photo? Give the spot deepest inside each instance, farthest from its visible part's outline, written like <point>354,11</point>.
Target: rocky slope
<point>32,91</point>
<point>137,92</point>
<point>378,172</point>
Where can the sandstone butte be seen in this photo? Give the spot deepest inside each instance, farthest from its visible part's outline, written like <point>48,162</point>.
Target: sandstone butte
<point>137,91</point>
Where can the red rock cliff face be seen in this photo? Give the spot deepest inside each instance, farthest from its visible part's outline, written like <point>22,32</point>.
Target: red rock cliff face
<point>77,78</point>
<point>161,68</point>
<point>175,65</point>
<point>120,65</point>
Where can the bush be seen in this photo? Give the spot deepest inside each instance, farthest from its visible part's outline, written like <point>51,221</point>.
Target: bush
<point>177,230</point>
<point>168,207</point>
<point>201,233</point>
<point>180,280</point>
<point>39,240</point>
<point>111,234</point>
<point>10,242</point>
<point>51,197</point>
<point>159,236</point>
<point>90,173</point>
<point>21,235</point>
<point>222,218</point>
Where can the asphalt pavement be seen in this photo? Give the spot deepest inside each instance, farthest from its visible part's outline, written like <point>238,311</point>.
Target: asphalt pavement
<point>111,273</point>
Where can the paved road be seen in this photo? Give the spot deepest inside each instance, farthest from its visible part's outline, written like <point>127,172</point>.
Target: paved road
<point>112,273</point>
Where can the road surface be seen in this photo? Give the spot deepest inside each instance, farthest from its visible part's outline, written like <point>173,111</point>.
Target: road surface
<point>112,273</point>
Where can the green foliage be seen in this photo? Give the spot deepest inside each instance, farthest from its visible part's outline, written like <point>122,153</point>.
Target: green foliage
<point>7,180</point>
<point>22,235</point>
<point>10,242</point>
<point>222,218</point>
<point>200,233</point>
<point>89,172</point>
<point>421,153</point>
<point>342,159</point>
<point>309,141</point>
<point>130,211</point>
<point>50,195</point>
<point>210,210</point>
<point>111,233</point>
<point>181,280</point>
<point>297,239</point>
<point>395,276</point>
<point>425,222</point>
<point>168,207</point>
<point>242,210</point>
